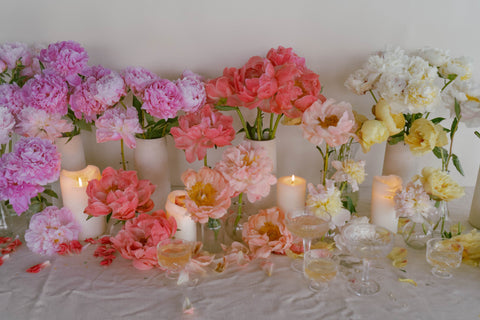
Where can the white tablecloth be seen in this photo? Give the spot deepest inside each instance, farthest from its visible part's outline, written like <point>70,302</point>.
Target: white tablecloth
<point>77,287</point>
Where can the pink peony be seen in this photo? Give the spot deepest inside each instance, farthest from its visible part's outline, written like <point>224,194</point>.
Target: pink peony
<point>202,130</point>
<point>137,79</point>
<point>46,92</point>
<point>3,66</point>
<point>10,53</point>
<point>162,99</point>
<point>330,122</point>
<point>222,90</point>
<point>39,123</point>
<point>66,59</point>
<point>139,237</point>
<point>118,123</point>
<point>101,89</point>
<point>208,194</point>
<point>119,193</point>
<point>192,90</point>
<point>266,233</point>
<point>11,97</point>
<point>248,169</point>
<point>7,123</point>
<point>49,229</point>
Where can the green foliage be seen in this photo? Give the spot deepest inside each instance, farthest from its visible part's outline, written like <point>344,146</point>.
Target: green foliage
<point>348,204</point>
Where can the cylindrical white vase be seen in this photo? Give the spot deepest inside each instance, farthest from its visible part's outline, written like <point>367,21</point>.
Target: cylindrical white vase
<point>474,218</point>
<point>72,152</point>
<point>151,162</point>
<point>400,161</point>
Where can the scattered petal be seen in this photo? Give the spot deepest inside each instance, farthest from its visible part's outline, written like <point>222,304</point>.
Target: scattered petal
<point>267,266</point>
<point>5,239</point>
<point>408,281</point>
<point>4,258</point>
<point>187,306</point>
<point>398,256</point>
<point>39,267</point>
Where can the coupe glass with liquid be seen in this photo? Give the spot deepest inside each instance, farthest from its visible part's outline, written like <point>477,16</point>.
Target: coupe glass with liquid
<point>173,255</point>
<point>443,255</point>
<point>320,268</point>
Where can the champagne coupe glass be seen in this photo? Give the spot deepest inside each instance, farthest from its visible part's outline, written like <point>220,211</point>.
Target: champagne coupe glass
<point>367,241</point>
<point>306,225</point>
<point>320,267</point>
<point>443,255</point>
<point>173,255</point>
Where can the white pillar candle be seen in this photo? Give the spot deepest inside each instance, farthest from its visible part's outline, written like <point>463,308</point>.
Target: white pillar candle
<point>74,192</point>
<point>291,193</point>
<point>186,227</point>
<point>382,205</point>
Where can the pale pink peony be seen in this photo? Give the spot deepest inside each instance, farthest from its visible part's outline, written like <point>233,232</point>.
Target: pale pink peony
<point>11,97</point>
<point>139,237</point>
<point>7,123</point>
<point>10,53</point>
<point>162,99</point>
<point>330,122</point>
<point>248,169</point>
<point>137,79</point>
<point>118,123</point>
<point>119,193</point>
<point>266,233</point>
<point>208,194</point>
<point>40,124</point>
<point>46,92</point>
<point>192,90</point>
<point>202,130</point>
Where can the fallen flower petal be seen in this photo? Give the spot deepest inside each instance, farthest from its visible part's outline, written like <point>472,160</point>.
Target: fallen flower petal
<point>267,266</point>
<point>39,267</point>
<point>5,239</point>
<point>187,306</point>
<point>90,240</point>
<point>4,258</point>
<point>407,281</point>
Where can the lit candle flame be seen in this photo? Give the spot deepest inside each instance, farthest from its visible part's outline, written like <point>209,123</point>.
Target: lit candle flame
<point>293,179</point>
<point>80,184</point>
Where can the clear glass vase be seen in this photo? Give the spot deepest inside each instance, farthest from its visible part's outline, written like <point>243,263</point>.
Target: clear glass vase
<point>416,234</point>
<point>5,221</point>
<point>212,236</point>
<point>445,227</point>
<point>237,216</point>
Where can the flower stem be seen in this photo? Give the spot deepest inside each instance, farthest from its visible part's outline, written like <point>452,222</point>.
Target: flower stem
<point>259,124</point>
<point>205,161</point>
<point>373,95</point>
<point>325,165</point>
<point>123,154</point>
<point>446,85</point>
<point>244,125</point>
<point>274,131</point>
<point>239,211</point>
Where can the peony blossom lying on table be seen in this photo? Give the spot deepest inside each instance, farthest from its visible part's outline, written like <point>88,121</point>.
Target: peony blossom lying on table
<point>120,194</point>
<point>139,237</point>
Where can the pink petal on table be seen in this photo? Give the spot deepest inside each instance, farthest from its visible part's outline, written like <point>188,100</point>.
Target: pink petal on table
<point>39,267</point>
<point>187,306</point>
<point>4,258</point>
<point>267,266</point>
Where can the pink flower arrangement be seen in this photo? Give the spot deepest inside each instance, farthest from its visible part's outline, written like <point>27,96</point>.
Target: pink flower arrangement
<point>248,169</point>
<point>329,121</point>
<point>202,130</point>
<point>120,194</point>
<point>118,123</point>
<point>46,92</point>
<point>138,79</point>
<point>208,194</point>
<point>414,202</point>
<point>49,229</point>
<point>139,237</point>
<point>162,99</point>
<point>41,124</point>
<point>266,233</point>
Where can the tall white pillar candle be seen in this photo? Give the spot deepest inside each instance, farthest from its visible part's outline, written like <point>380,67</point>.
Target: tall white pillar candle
<point>186,227</point>
<point>74,192</point>
<point>382,205</point>
<point>291,193</point>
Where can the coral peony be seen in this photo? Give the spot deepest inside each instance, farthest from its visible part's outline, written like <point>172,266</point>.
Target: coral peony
<point>118,123</point>
<point>248,169</point>
<point>202,130</point>
<point>266,233</point>
<point>139,237</point>
<point>208,194</point>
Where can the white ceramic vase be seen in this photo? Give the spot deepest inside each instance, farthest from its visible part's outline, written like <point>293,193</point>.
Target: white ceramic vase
<point>151,162</point>
<point>474,218</point>
<point>400,161</point>
<point>73,154</point>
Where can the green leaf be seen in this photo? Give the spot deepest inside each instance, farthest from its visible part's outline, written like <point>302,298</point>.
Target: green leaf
<point>456,163</point>
<point>440,153</point>
<point>51,193</point>
<point>225,108</point>
<point>396,138</point>
<point>437,120</point>
<point>108,217</point>
<point>348,204</point>
<point>454,127</point>
<point>457,109</point>
<point>477,134</point>
<point>452,76</point>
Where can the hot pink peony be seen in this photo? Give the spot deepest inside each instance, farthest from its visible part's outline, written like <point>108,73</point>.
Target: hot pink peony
<point>11,97</point>
<point>202,130</point>
<point>46,92</point>
<point>330,121</point>
<point>137,79</point>
<point>192,90</point>
<point>162,99</point>
<point>118,123</point>
<point>119,193</point>
<point>139,237</point>
<point>208,194</point>
<point>266,233</point>
<point>248,169</point>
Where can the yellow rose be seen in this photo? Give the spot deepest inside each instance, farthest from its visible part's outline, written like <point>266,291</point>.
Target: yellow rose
<point>424,136</point>
<point>371,132</point>
<point>440,185</point>
<point>393,122</point>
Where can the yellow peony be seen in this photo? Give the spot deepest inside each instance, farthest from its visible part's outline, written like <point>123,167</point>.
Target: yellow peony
<point>371,132</point>
<point>393,122</point>
<point>440,185</point>
<point>424,136</point>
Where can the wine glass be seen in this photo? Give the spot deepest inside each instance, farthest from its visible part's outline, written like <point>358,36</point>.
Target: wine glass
<point>443,255</point>
<point>173,255</point>
<point>320,267</point>
<point>306,225</point>
<point>367,241</point>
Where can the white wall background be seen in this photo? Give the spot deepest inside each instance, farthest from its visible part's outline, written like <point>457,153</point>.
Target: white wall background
<point>335,37</point>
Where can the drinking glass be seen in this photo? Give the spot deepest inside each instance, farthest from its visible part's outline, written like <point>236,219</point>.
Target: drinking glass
<point>173,255</point>
<point>443,255</point>
<point>367,242</point>
<point>306,225</point>
<point>320,268</point>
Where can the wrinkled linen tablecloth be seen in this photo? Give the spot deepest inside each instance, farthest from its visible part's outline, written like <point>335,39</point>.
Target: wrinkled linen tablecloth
<point>77,287</point>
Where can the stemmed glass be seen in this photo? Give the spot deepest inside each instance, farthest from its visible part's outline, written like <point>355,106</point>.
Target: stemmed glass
<point>320,267</point>
<point>173,255</point>
<point>367,241</point>
<point>443,255</point>
<point>306,225</point>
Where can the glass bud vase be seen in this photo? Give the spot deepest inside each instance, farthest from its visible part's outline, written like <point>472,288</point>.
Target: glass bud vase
<point>416,234</point>
<point>235,220</point>
<point>445,227</point>
<point>5,221</point>
<point>212,236</point>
